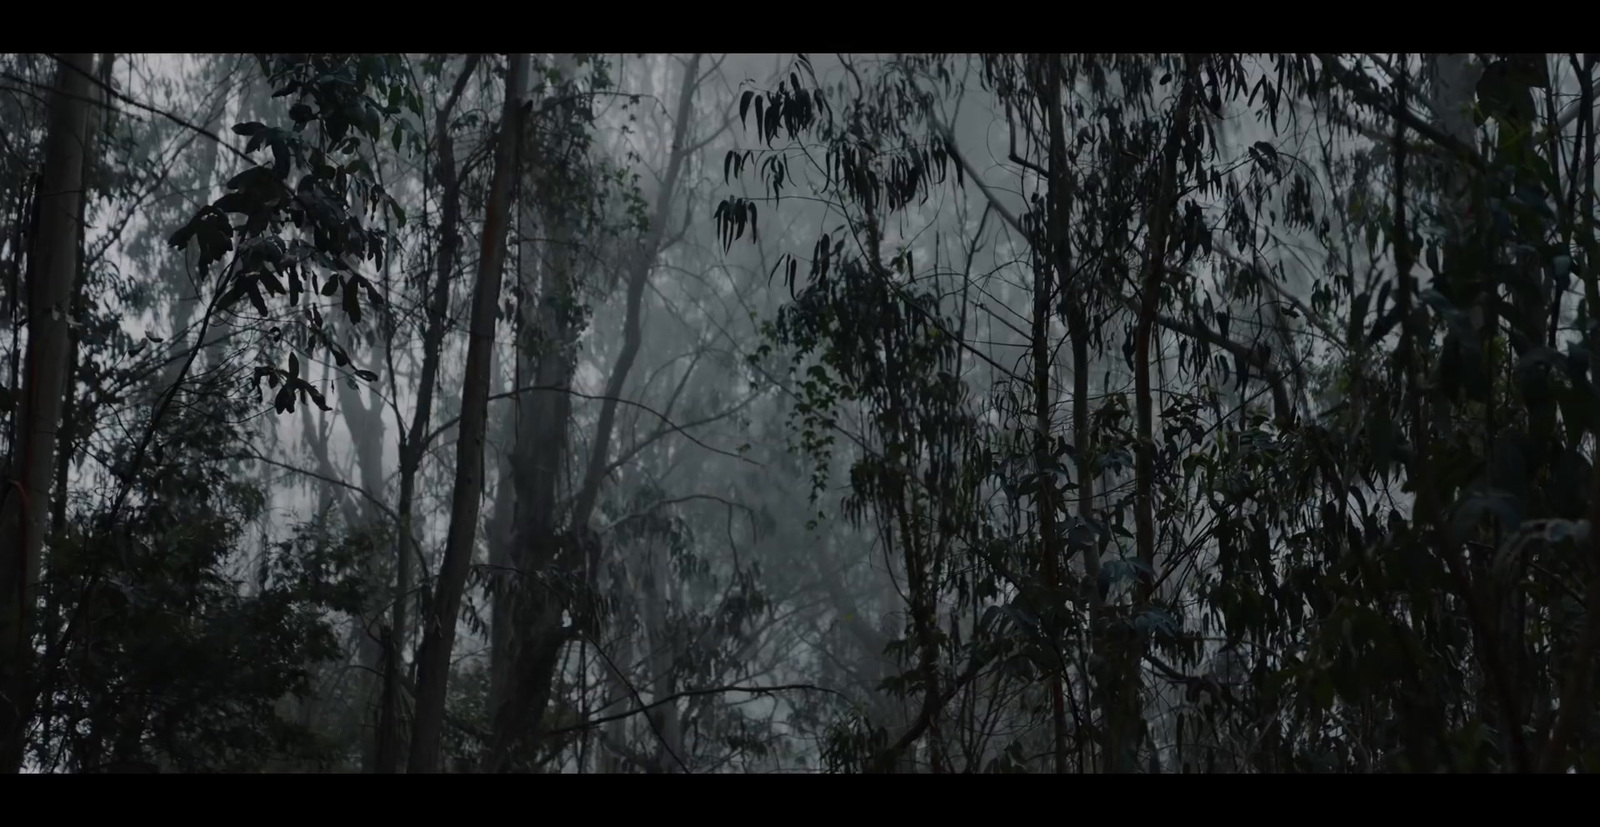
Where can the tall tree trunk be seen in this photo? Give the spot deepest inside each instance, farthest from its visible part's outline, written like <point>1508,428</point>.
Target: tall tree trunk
<point>644,262</point>
<point>536,617</point>
<point>1126,727</point>
<point>1577,686</point>
<point>65,435</point>
<point>668,724</point>
<point>366,434</point>
<point>614,735</point>
<point>1454,82</point>
<point>526,639</point>
<point>433,668</point>
<point>1060,255</point>
<point>414,440</point>
<point>53,269</point>
<point>501,526</point>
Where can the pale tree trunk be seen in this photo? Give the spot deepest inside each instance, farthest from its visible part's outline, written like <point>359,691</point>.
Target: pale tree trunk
<point>366,434</point>
<point>637,280</point>
<point>65,435</point>
<point>525,638</point>
<point>670,756</point>
<point>433,667</point>
<point>53,267</point>
<point>315,430</point>
<point>533,654</point>
<point>500,528</point>
<point>614,737</point>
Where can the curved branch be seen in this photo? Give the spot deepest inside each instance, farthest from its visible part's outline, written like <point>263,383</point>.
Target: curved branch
<point>381,506</point>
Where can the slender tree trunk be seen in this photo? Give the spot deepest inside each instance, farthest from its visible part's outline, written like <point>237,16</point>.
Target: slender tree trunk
<point>413,440</point>
<point>1127,726</point>
<point>65,434</point>
<point>366,434</point>
<point>533,653</point>
<point>526,638</point>
<point>1577,687</point>
<point>52,275</point>
<point>614,736</point>
<point>439,637</point>
<point>670,756</point>
<point>1075,294</point>
<point>1059,254</point>
<point>502,524</point>
<point>52,271</point>
<point>638,278</point>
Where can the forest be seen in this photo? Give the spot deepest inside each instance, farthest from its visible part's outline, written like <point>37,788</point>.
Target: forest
<point>799,413</point>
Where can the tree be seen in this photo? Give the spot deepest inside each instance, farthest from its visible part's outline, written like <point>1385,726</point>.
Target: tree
<point>53,269</point>
<point>1157,412</point>
<point>433,666</point>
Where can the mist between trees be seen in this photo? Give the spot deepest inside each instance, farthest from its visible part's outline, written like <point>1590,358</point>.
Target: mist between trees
<point>799,413</point>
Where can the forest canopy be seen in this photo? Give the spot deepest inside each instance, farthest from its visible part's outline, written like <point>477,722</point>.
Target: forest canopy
<point>648,413</point>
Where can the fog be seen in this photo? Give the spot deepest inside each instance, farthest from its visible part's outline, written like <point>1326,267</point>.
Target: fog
<point>652,413</point>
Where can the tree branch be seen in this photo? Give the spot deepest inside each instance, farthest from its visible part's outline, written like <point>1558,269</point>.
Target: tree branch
<point>1366,94</point>
<point>671,426</point>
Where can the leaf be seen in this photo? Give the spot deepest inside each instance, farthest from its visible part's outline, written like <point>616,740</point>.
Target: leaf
<point>180,239</point>
<point>366,374</point>
<point>1561,267</point>
<point>1081,535</point>
<point>1020,616</point>
<point>352,300</point>
<point>271,282</point>
<point>1542,355</point>
<point>316,396</point>
<point>330,286</point>
<point>231,297</point>
<point>284,401</point>
<point>280,160</point>
<point>294,365</point>
<point>1384,324</point>
<point>252,177</point>
<point>1458,320</point>
<point>744,106</point>
<point>249,129</point>
<point>255,297</point>
<point>1471,511</point>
